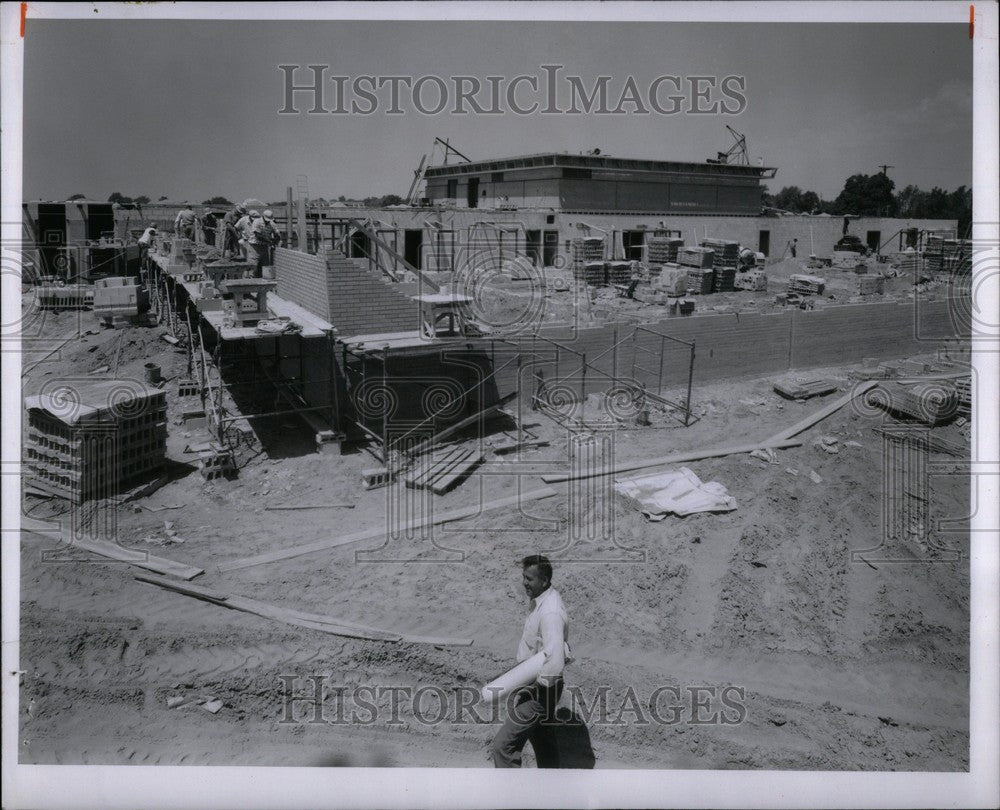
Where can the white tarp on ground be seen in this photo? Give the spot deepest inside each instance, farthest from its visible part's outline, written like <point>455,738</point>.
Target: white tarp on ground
<point>680,492</point>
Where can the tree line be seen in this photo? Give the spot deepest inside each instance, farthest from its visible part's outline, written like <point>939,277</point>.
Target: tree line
<point>875,195</point>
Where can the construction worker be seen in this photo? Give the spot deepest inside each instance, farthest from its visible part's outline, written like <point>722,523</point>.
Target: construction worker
<point>208,225</point>
<point>232,235</point>
<point>793,247</point>
<point>243,232</point>
<point>184,222</point>
<point>531,711</point>
<point>264,237</point>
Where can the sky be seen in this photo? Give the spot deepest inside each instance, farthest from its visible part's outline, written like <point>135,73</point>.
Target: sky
<point>189,109</point>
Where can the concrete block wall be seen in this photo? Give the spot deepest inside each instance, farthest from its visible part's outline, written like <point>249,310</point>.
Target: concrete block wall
<point>735,345</point>
<point>302,279</point>
<point>361,303</point>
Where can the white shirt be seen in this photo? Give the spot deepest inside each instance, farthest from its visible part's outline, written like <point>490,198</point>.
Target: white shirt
<point>546,630</point>
<point>147,236</point>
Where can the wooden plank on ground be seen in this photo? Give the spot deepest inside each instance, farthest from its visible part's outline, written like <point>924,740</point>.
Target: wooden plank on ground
<point>138,558</point>
<point>298,618</point>
<point>380,531</point>
<point>674,458</point>
<point>469,420</point>
<point>822,413</point>
<point>424,472</point>
<point>441,485</point>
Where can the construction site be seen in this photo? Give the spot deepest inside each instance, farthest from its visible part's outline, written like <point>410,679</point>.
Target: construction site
<point>728,429</point>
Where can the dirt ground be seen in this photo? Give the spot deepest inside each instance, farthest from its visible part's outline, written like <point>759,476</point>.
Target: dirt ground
<point>843,664</point>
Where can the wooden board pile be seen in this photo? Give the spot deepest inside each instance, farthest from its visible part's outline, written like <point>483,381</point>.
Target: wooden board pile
<point>963,390</point>
<point>806,285</point>
<point>942,255</point>
<point>442,470</point>
<point>703,258</point>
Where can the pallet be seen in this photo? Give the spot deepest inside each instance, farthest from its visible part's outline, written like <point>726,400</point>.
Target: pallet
<point>444,470</point>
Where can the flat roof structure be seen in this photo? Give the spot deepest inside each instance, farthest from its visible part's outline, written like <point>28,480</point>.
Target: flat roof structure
<point>587,183</point>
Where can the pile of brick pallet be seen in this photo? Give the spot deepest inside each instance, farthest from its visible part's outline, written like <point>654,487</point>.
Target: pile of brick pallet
<point>700,275</point>
<point>943,255</point>
<point>806,285</point>
<point>726,252</point>
<point>94,439</point>
<point>725,255</point>
<point>754,280</point>
<point>619,272</point>
<point>587,255</point>
<point>663,250</point>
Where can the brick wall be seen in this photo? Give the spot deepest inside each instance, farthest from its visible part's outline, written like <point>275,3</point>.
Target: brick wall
<point>302,279</point>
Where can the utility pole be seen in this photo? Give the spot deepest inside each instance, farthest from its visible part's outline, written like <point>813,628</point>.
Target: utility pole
<point>885,167</point>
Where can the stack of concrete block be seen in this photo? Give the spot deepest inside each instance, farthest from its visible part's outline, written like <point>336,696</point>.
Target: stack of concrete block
<point>58,296</point>
<point>225,270</point>
<point>585,251</point>
<point>702,258</point>
<point>119,301</point>
<point>724,278</point>
<point>673,279</point>
<point>95,439</point>
<point>806,285</point>
<point>663,250</point>
<point>727,253</point>
<point>593,273</point>
<point>619,272</point>
<point>753,280</point>
<point>700,280</point>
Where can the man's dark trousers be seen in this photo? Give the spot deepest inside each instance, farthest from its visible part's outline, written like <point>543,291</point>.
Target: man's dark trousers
<point>530,716</point>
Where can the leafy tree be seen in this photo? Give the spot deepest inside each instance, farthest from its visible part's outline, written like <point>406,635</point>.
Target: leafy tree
<point>161,199</point>
<point>391,199</point>
<point>867,195</point>
<point>78,197</point>
<point>341,198</point>
<point>142,200</point>
<point>217,201</point>
<point>118,197</point>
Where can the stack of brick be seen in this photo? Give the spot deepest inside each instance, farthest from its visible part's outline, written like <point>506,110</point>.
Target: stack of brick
<point>589,249</point>
<point>700,280</point>
<point>95,439</point>
<point>727,253</point>
<point>663,250</point>
<point>703,258</point>
<point>619,272</point>
<point>806,285</point>
<point>724,279</point>
<point>593,273</point>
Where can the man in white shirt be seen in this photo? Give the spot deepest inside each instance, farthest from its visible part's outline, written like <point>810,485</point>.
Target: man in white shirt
<point>184,222</point>
<point>531,712</point>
